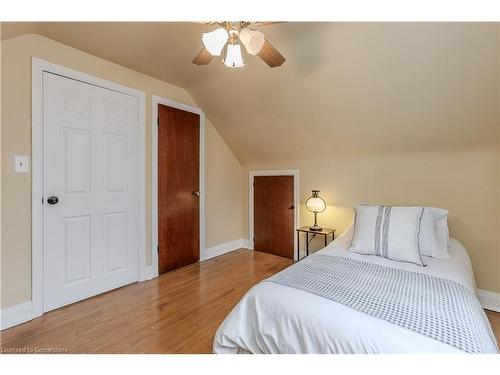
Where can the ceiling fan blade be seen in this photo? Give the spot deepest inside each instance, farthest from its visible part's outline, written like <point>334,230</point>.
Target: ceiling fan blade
<point>203,58</point>
<point>270,55</point>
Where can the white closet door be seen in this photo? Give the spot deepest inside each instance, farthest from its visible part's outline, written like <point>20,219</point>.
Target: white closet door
<point>91,167</point>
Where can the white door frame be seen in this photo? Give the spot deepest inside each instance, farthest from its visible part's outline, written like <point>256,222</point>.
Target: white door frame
<point>156,100</point>
<point>38,67</point>
<point>287,172</point>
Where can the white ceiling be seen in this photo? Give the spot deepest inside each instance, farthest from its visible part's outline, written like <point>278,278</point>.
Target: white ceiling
<point>345,89</point>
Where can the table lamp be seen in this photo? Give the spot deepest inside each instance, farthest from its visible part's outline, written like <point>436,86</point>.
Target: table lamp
<point>315,204</point>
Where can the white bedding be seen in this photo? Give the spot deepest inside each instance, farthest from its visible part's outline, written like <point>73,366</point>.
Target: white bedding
<point>272,318</point>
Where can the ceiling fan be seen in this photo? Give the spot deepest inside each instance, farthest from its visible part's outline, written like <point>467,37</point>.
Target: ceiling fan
<point>227,39</point>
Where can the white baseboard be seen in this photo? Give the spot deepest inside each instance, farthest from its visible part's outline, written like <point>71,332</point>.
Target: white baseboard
<point>224,248</point>
<point>147,273</point>
<point>489,300</point>
<point>16,314</point>
<point>247,244</point>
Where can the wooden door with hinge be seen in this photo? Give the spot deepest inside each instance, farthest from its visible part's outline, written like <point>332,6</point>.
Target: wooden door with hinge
<point>178,188</point>
<point>273,199</point>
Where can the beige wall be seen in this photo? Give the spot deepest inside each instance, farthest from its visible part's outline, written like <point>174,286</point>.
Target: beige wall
<point>406,113</point>
<point>394,113</point>
<point>223,172</point>
<point>463,181</point>
<point>223,182</point>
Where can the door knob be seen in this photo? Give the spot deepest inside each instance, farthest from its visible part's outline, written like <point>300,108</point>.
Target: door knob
<point>52,200</point>
<point>197,193</point>
<point>291,207</point>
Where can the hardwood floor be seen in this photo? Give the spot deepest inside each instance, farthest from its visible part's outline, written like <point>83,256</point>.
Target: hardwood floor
<point>494,318</point>
<point>178,312</point>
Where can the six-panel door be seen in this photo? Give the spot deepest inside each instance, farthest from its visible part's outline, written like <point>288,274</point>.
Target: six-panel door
<point>91,166</point>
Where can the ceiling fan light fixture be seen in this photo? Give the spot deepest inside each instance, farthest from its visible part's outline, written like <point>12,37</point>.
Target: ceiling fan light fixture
<point>226,42</point>
<point>253,40</point>
<point>215,41</point>
<point>233,59</point>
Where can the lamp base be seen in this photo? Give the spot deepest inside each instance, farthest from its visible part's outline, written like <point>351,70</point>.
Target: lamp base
<point>316,228</point>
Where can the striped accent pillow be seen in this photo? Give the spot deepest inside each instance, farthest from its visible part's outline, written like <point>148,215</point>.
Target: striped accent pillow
<point>389,232</point>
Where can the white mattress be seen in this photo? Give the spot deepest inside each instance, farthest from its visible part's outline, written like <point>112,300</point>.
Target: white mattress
<point>272,318</point>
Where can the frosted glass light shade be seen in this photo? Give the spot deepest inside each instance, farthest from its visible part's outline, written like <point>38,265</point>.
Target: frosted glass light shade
<point>233,56</point>
<point>252,40</point>
<point>315,203</point>
<point>215,41</point>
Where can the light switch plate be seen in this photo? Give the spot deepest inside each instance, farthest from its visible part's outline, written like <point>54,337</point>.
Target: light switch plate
<point>22,164</point>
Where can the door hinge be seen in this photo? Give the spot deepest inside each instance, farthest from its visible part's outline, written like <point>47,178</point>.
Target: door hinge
<point>42,200</point>
<point>158,121</point>
<point>158,248</point>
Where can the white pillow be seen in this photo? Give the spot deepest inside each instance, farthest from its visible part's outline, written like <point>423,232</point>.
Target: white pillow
<point>389,232</point>
<point>434,233</point>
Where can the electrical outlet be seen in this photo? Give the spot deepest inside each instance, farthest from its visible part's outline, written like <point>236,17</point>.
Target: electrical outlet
<point>22,164</point>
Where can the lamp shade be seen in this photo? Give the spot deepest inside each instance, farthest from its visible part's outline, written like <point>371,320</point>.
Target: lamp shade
<point>252,40</point>
<point>233,59</point>
<point>315,203</point>
<point>215,41</point>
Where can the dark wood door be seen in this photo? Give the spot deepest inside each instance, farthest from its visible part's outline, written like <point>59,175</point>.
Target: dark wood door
<point>178,188</point>
<point>273,215</point>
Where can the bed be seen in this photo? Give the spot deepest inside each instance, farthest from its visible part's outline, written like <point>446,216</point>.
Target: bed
<point>276,318</point>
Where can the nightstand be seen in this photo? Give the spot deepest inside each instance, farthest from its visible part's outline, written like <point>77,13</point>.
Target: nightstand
<point>325,232</point>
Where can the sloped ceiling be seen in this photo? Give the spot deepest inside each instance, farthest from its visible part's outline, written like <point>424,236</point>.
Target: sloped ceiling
<point>345,89</point>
